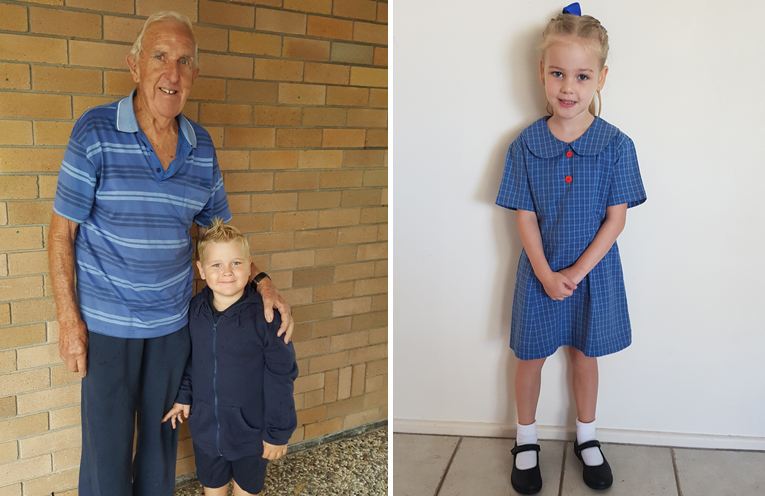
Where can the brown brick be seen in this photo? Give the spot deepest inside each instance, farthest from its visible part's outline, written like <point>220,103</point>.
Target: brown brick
<point>47,399</point>
<point>366,76</point>
<point>33,310</point>
<point>29,212</point>
<point>26,469</point>
<point>351,306</point>
<point>317,6</point>
<point>264,115</point>
<point>68,458</point>
<point>309,277</point>
<point>13,17</point>
<point>282,280</point>
<point>80,104</point>
<point>314,398</point>
<point>239,204</point>
<point>320,159</point>
<point>297,436</point>
<point>19,382</point>
<point>361,418</point>
<point>120,6</point>
<point>299,400</point>
<point>292,221</point>
<point>331,327</point>
<point>374,215</point>
<point>293,259</point>
<point>376,398</point>
<point>185,7</point>
<point>355,235</point>
<point>278,70</point>
<point>337,218</point>
<point>375,178</point>
<point>8,410</point>
<point>274,202</point>
<point>208,89</point>
<point>379,335</point>
<point>344,383</point>
<point>364,158</point>
<point>95,54</point>
<point>14,76</point>
<point>226,66</point>
<point>226,14</point>
<point>272,242</point>
<point>321,117</point>
<point>378,367</point>
<point>352,53</point>
<point>252,91</point>
<point>216,132</point>
<point>302,94</point>
<point>355,9</point>
<point>3,222</point>
<point>52,133</point>
<point>11,337</point>
<point>5,319</point>
<point>32,49</point>
<point>347,97</point>
<point>307,313</point>
<point>315,239</point>
<point>280,21</point>
<point>328,362</point>
<point>370,286</point>
<point>298,138</point>
<point>332,292</point>
<point>376,383</point>
<point>368,354</point>
<point>370,33</point>
<point>378,98</point>
<point>64,23</point>
<point>339,255</point>
<point>357,384</point>
<point>250,137</point>
<point>381,56</point>
<point>252,223</point>
<point>7,358</point>
<point>373,251</point>
<point>56,482</point>
<point>323,428</point>
<point>311,415</point>
<point>318,200</point>
<point>367,118</point>
<point>255,43</point>
<point>343,138</point>
<point>330,385</point>
<point>302,332</point>
<point>234,160</point>
<point>368,320</point>
<point>182,467</point>
<point>382,12</point>
<point>348,341</point>
<point>9,451</point>
<point>286,181</point>
<point>35,106</point>
<point>325,27</point>
<point>225,113</point>
<point>380,302</point>
<point>209,38</point>
<point>15,132</point>
<point>65,417</point>
<point>248,181</point>
<point>60,375</point>
<point>361,197</point>
<point>31,160</point>
<point>312,347</point>
<point>341,179</point>
<point>302,48</point>
<point>122,28</point>
<point>19,238</point>
<point>51,441</point>
<point>309,383</point>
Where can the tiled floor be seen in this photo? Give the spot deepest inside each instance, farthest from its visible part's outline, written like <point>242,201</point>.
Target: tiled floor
<point>463,466</point>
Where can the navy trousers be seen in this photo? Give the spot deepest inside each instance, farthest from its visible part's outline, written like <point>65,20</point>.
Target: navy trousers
<point>130,382</point>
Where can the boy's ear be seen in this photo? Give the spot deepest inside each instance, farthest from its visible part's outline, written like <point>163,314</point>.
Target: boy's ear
<point>201,270</point>
<point>249,264</point>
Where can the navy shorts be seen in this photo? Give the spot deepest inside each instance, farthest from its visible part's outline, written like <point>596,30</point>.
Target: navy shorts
<point>213,472</point>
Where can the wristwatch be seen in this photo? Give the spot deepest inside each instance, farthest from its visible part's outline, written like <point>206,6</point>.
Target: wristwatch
<point>260,277</point>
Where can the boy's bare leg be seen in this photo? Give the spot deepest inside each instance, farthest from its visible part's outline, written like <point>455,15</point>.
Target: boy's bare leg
<point>238,491</point>
<point>585,384</point>
<point>528,382</point>
<point>218,491</point>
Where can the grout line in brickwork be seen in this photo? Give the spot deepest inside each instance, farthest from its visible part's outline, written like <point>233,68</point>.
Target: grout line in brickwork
<point>448,466</point>
<point>674,469</point>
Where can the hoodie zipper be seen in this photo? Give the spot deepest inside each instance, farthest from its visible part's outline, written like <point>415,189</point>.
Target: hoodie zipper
<point>215,391</point>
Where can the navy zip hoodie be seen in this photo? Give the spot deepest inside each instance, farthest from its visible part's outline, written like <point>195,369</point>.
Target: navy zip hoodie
<point>238,379</point>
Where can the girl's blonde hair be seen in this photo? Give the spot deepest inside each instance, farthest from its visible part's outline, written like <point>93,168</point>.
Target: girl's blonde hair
<point>218,232</point>
<point>586,27</point>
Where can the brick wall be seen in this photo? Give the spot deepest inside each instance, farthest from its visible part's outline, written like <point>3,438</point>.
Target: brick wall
<point>294,95</point>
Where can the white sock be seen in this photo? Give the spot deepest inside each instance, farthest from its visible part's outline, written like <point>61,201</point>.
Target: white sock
<point>527,434</point>
<point>584,433</point>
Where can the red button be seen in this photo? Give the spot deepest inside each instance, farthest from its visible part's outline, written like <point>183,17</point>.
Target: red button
<point>568,179</point>
<point>569,154</point>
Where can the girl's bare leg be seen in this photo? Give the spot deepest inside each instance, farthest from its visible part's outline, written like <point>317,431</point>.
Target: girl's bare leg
<point>238,491</point>
<point>218,491</point>
<point>585,384</point>
<point>528,382</point>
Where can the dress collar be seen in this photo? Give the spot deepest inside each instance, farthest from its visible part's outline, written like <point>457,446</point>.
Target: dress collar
<point>541,142</point>
<point>127,123</point>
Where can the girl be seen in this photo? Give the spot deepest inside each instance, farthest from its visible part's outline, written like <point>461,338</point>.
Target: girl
<point>571,177</point>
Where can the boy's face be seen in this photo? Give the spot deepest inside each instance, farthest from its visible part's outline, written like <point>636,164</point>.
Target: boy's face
<point>226,268</point>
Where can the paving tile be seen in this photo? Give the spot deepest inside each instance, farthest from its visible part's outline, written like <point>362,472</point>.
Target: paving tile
<point>638,470</point>
<point>483,466</point>
<point>419,463</point>
<point>721,473</point>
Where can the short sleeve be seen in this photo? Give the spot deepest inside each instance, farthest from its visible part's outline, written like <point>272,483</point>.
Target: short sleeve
<point>626,183</point>
<point>217,205</point>
<point>514,191</point>
<point>77,179</point>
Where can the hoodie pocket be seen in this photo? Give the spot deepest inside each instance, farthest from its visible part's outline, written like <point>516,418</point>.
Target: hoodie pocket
<point>202,423</point>
<point>236,433</point>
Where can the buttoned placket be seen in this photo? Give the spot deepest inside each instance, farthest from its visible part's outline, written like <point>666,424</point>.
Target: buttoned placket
<point>569,166</point>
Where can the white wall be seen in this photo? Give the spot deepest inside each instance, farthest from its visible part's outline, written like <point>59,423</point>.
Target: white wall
<point>687,84</point>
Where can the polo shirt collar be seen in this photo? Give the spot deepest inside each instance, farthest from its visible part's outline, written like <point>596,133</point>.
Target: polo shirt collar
<point>127,123</point>
<point>541,142</point>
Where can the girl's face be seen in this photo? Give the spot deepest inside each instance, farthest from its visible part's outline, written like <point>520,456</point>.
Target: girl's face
<point>571,75</point>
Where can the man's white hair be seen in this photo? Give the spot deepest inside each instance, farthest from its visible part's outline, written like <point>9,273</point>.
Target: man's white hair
<point>164,16</point>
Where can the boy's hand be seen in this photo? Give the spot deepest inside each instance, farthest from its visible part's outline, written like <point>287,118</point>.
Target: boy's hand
<point>177,412</point>
<point>272,452</point>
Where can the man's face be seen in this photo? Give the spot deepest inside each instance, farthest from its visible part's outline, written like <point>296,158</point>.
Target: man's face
<point>165,71</point>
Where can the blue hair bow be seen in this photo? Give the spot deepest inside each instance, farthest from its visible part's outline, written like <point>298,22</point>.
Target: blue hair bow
<point>573,9</point>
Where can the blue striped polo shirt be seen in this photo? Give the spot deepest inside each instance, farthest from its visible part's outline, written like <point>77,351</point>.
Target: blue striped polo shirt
<point>133,248</point>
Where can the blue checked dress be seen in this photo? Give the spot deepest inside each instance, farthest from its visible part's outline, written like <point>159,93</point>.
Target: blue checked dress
<point>569,186</point>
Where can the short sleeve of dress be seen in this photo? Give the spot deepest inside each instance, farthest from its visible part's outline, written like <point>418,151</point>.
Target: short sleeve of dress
<point>217,205</point>
<point>514,191</point>
<point>626,183</point>
<point>77,179</point>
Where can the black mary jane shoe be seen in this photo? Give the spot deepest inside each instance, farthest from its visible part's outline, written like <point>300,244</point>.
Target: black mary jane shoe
<point>597,476</point>
<point>526,481</point>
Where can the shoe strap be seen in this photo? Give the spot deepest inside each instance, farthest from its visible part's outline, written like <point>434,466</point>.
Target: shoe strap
<point>525,447</point>
<point>589,444</point>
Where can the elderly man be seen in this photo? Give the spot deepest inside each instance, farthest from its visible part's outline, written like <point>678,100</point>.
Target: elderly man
<point>135,175</point>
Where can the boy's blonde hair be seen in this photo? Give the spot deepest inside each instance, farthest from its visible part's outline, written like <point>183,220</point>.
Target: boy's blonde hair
<point>589,30</point>
<point>218,232</point>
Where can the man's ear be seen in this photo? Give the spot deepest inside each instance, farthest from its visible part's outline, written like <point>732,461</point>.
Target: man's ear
<point>132,63</point>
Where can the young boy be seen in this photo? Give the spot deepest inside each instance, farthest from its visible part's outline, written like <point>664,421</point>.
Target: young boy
<point>238,382</point>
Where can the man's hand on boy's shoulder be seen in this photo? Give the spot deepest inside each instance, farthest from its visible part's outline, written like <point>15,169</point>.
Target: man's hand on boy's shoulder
<point>177,412</point>
<point>273,452</point>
